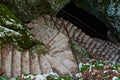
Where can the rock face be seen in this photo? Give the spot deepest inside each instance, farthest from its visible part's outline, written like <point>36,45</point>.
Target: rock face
<point>107,11</point>
<point>28,9</point>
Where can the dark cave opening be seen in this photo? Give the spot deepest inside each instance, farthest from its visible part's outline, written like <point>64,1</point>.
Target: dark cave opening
<point>83,20</point>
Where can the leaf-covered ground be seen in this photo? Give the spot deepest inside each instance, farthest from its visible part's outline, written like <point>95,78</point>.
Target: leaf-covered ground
<point>88,70</point>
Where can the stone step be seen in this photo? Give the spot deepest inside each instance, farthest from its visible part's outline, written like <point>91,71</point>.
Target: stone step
<point>45,66</point>
<point>15,63</point>
<point>6,58</point>
<point>34,63</point>
<point>25,63</point>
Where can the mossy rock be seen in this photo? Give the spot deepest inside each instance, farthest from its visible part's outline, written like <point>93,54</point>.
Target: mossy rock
<point>27,10</point>
<point>12,30</point>
<point>107,11</point>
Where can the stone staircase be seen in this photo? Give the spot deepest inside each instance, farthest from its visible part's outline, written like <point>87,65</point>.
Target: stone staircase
<point>54,33</point>
<point>96,47</point>
<point>59,59</point>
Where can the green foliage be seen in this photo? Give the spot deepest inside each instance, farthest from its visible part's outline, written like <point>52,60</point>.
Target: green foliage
<point>17,78</point>
<point>116,66</point>
<point>84,68</point>
<point>29,78</point>
<point>118,78</point>
<point>3,78</point>
<point>98,65</point>
<point>52,77</point>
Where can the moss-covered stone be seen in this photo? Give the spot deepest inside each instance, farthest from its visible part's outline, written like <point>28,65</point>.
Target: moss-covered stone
<point>12,30</point>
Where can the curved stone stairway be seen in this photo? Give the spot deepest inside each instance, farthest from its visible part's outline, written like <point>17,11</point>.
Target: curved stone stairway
<point>97,48</point>
<point>55,33</point>
<point>59,58</point>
